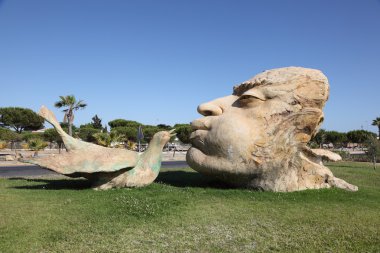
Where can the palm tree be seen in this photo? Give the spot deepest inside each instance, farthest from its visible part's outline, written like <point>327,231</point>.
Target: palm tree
<point>36,145</point>
<point>72,105</point>
<point>376,122</point>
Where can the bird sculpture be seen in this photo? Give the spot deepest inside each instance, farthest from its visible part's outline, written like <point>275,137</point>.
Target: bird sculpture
<point>105,167</point>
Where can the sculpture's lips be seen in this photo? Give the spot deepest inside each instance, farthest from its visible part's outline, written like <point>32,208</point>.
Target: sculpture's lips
<point>201,124</point>
<point>197,138</point>
<point>200,127</point>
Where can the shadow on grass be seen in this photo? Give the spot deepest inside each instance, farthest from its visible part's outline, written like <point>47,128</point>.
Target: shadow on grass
<point>174,178</point>
<point>189,179</point>
<point>54,184</point>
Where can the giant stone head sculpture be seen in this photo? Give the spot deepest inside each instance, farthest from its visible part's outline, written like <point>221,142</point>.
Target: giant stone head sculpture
<point>257,136</point>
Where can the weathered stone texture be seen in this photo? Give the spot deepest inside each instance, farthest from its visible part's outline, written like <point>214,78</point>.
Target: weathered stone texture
<point>257,136</point>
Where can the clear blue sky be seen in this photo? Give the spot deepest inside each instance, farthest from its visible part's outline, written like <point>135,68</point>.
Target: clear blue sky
<point>155,61</point>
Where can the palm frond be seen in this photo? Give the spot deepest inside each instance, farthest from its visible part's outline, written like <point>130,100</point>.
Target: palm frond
<point>58,104</point>
<point>376,122</point>
<point>71,99</point>
<point>64,101</point>
<point>80,104</point>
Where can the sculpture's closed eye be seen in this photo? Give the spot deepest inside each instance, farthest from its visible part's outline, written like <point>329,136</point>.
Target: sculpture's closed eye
<point>254,93</point>
<point>251,98</point>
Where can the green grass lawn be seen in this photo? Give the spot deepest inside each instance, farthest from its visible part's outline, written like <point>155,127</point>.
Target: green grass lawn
<point>186,212</point>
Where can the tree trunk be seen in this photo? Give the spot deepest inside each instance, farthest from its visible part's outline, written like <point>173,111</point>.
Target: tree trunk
<point>374,162</point>
<point>70,129</point>
<point>70,119</point>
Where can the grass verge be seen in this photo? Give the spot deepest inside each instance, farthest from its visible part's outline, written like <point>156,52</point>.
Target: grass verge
<point>186,212</point>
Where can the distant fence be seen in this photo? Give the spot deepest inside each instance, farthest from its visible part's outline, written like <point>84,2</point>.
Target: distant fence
<point>346,156</point>
<point>21,145</point>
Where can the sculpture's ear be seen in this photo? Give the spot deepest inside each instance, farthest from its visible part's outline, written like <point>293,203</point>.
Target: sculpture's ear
<point>300,127</point>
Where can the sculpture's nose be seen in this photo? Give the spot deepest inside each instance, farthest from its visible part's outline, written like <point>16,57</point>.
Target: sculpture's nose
<point>209,109</point>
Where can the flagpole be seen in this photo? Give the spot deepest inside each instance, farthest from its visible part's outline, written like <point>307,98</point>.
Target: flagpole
<point>140,136</point>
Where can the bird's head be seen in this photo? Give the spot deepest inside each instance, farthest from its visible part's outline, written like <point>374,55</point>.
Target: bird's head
<point>163,137</point>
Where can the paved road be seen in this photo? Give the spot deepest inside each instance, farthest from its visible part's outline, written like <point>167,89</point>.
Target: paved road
<point>32,170</point>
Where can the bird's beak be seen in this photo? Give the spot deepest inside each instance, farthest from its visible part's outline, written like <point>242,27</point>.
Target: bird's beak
<point>171,132</point>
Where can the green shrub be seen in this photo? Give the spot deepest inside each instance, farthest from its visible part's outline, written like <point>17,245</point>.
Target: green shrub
<point>3,144</point>
<point>26,136</point>
<point>37,144</point>
<point>9,135</point>
<point>87,134</point>
<point>345,155</point>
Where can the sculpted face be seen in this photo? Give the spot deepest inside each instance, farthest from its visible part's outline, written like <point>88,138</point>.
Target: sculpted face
<point>257,136</point>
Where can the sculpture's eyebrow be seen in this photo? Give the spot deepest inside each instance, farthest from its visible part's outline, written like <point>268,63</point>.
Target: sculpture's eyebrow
<point>238,90</point>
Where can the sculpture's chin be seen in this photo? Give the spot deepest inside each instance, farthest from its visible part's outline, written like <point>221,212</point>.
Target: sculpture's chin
<point>195,158</point>
<point>236,174</point>
<point>214,165</point>
<point>205,164</point>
